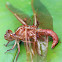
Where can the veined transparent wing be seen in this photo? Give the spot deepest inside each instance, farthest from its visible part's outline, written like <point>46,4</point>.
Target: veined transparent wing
<point>19,13</point>
<point>44,19</point>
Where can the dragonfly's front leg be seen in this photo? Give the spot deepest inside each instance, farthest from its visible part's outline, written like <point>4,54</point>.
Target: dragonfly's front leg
<point>12,47</point>
<point>7,43</point>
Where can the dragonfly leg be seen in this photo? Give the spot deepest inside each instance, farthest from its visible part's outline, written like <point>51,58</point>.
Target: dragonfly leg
<point>7,43</point>
<point>18,50</point>
<point>33,47</point>
<point>12,47</point>
<point>34,43</point>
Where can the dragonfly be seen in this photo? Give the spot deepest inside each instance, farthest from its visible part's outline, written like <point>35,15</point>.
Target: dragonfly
<point>34,35</point>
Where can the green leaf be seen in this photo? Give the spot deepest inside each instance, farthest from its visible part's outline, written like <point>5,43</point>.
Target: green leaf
<point>8,21</point>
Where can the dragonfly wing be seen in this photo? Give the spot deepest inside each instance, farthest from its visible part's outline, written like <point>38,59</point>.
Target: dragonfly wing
<point>44,19</point>
<point>19,13</point>
<point>38,54</point>
<point>42,48</point>
<point>29,49</point>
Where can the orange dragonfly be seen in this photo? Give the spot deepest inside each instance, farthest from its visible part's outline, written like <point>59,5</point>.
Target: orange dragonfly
<point>33,34</point>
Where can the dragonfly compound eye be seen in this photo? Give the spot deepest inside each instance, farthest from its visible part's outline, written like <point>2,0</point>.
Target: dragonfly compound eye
<point>9,31</point>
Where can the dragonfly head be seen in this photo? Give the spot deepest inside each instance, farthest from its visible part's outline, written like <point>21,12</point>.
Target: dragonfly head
<point>8,35</point>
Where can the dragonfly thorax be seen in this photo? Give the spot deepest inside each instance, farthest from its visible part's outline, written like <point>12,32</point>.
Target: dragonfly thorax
<point>23,30</point>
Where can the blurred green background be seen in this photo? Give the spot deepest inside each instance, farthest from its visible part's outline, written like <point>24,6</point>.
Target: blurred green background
<point>8,21</point>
